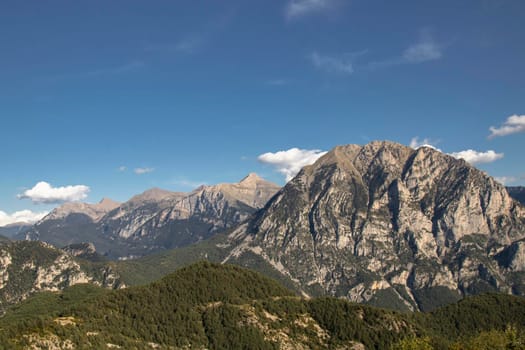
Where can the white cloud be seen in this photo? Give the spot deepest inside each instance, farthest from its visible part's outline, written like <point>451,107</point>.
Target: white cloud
<point>505,180</point>
<point>513,125</point>
<point>302,8</point>
<point>43,192</point>
<point>290,162</point>
<point>415,143</point>
<point>426,49</point>
<point>332,64</point>
<point>476,157</point>
<point>25,216</point>
<point>471,156</point>
<point>141,171</point>
<point>122,168</point>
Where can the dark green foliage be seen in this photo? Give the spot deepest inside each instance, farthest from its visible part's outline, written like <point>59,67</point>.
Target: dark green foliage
<point>166,312</point>
<point>375,328</point>
<point>254,261</point>
<point>152,267</point>
<point>223,329</point>
<point>214,306</point>
<point>52,303</point>
<point>431,298</point>
<point>388,299</point>
<point>474,314</point>
<point>510,339</point>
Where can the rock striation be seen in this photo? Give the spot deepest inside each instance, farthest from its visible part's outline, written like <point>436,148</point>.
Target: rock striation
<point>389,225</point>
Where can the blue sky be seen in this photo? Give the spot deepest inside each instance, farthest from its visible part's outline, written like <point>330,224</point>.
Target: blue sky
<point>94,92</point>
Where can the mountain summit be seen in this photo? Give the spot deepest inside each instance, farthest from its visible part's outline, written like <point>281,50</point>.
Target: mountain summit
<point>384,223</point>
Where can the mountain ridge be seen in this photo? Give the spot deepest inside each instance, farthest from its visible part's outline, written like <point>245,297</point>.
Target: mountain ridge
<point>154,220</point>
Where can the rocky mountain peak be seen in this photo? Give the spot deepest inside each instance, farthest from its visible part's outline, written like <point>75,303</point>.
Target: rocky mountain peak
<point>94,211</point>
<point>153,195</point>
<point>405,219</point>
<point>252,190</point>
<point>107,204</point>
<point>251,179</point>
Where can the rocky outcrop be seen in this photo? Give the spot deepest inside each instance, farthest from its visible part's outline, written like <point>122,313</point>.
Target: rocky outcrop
<point>30,267</point>
<point>386,222</point>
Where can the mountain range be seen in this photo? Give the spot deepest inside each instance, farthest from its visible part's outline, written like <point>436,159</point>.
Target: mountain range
<point>154,220</point>
<point>383,224</point>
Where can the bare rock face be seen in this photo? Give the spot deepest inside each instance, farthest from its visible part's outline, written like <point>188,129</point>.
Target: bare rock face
<point>30,267</point>
<point>387,224</point>
<point>203,212</point>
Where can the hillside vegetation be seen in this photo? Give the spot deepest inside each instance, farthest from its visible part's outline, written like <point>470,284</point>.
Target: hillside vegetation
<point>212,306</point>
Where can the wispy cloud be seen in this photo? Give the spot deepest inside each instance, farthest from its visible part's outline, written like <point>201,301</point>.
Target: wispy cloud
<point>291,161</point>
<point>302,8</point>
<point>43,192</point>
<point>186,45</point>
<point>424,50</point>
<point>122,168</point>
<point>513,125</point>
<point>194,40</point>
<point>506,180</point>
<point>476,157</point>
<point>187,184</point>
<point>22,216</point>
<point>141,171</point>
<point>332,64</point>
<point>416,143</point>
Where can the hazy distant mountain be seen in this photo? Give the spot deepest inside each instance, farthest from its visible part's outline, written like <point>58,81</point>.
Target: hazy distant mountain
<point>390,225</point>
<point>72,223</point>
<point>154,220</point>
<point>12,230</point>
<point>518,193</point>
